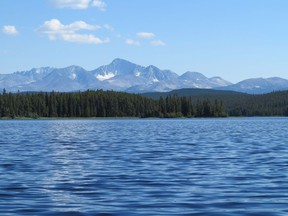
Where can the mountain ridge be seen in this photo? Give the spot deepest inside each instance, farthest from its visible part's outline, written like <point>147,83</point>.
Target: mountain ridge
<point>123,75</point>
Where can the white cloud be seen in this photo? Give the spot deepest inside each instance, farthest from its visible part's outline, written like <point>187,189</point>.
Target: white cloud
<point>80,4</point>
<point>87,38</point>
<point>9,30</point>
<point>100,4</point>
<point>145,35</point>
<point>151,37</point>
<point>157,43</point>
<point>74,4</point>
<point>55,30</point>
<point>132,42</point>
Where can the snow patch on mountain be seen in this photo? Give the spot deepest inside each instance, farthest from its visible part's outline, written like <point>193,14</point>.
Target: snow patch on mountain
<point>106,76</point>
<point>73,76</point>
<point>155,80</point>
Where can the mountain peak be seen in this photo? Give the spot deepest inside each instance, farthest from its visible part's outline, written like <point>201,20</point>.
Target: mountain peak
<point>192,75</point>
<point>74,68</point>
<point>119,61</point>
<point>152,67</point>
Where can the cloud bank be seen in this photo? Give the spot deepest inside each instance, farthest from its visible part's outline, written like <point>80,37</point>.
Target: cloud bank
<point>55,30</point>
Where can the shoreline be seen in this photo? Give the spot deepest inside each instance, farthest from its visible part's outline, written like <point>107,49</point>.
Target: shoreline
<point>124,118</point>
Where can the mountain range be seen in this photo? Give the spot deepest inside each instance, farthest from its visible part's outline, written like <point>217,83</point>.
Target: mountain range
<point>122,75</point>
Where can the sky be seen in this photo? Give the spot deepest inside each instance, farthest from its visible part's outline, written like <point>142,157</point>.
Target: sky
<point>234,39</point>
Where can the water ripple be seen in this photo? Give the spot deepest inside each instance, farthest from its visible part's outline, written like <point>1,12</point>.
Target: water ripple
<point>144,167</point>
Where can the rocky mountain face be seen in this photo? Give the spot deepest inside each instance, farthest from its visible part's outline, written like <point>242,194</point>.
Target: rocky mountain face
<point>122,75</point>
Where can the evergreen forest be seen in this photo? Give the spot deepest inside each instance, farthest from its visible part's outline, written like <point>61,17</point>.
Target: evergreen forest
<point>119,104</point>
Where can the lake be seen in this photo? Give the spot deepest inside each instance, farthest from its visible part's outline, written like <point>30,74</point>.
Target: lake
<point>233,166</point>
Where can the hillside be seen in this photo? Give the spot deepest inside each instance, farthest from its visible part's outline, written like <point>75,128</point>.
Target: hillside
<point>236,103</point>
<point>194,92</point>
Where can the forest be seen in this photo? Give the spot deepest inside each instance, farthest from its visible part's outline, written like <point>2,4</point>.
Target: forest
<point>194,103</point>
<point>236,103</point>
<point>103,104</point>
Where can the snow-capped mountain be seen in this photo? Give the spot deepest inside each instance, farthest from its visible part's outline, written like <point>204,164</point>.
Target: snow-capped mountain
<point>73,78</point>
<point>122,75</point>
<point>21,80</point>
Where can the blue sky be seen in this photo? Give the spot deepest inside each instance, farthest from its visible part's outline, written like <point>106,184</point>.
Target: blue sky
<point>234,39</point>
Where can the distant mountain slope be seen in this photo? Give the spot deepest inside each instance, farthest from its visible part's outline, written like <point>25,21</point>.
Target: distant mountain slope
<point>22,79</point>
<point>73,78</point>
<point>198,80</point>
<point>259,85</point>
<point>122,75</point>
<point>196,93</point>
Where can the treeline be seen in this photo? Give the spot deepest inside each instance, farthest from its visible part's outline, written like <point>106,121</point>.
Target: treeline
<point>236,103</point>
<point>271,104</point>
<point>118,104</point>
<point>104,104</point>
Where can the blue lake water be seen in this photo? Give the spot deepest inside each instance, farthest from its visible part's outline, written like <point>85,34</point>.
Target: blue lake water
<point>144,167</point>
